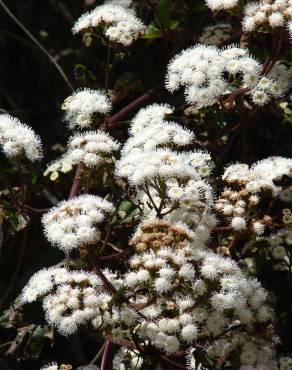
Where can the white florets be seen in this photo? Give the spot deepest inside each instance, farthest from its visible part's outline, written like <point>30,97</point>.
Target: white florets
<point>201,70</point>
<point>260,175</point>
<point>221,4</point>
<point>238,223</point>
<point>18,139</point>
<point>81,107</point>
<point>274,13</point>
<point>118,24</point>
<point>73,223</point>
<point>93,148</point>
<point>52,366</point>
<point>66,299</point>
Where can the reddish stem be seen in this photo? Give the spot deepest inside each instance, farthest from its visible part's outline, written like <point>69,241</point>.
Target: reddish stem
<point>105,355</point>
<point>114,256</point>
<point>134,105</point>
<point>76,182</point>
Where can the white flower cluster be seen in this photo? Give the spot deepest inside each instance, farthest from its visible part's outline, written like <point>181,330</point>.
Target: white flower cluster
<point>82,107</point>
<point>240,205</point>
<point>275,13</point>
<point>221,4</point>
<point>18,139</point>
<point>216,297</point>
<point>127,359</point>
<point>215,34</point>
<point>149,153</point>
<point>255,354</point>
<point>190,203</point>
<point>124,3</point>
<point>117,24</point>
<point>70,298</point>
<point>92,148</point>
<point>237,206</point>
<point>261,175</point>
<point>73,223</point>
<point>52,366</point>
<point>201,70</point>
<point>275,84</point>
<point>173,180</point>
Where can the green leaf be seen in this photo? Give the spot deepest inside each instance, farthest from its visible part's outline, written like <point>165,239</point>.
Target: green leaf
<point>83,74</point>
<point>34,178</point>
<point>152,32</point>
<point>163,10</point>
<point>126,211</point>
<point>173,25</point>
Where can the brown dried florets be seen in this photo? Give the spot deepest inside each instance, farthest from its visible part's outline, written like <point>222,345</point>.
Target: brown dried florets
<point>155,234</point>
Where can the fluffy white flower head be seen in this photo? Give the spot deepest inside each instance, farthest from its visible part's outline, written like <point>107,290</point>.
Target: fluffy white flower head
<point>83,105</point>
<point>118,24</point>
<point>74,222</point>
<point>18,139</point>
<point>92,148</point>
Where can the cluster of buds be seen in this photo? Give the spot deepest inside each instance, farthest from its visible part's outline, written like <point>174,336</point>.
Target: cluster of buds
<point>154,235</point>
<point>238,207</point>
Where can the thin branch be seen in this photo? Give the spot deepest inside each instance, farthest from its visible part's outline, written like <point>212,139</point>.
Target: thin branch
<point>109,286</point>
<point>219,229</point>
<point>114,256</point>
<point>148,95</point>
<point>96,357</point>
<point>38,44</point>
<point>76,182</point>
<point>121,342</point>
<point>105,355</point>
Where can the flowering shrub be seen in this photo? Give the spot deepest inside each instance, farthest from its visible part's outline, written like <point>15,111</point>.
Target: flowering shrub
<point>164,258</point>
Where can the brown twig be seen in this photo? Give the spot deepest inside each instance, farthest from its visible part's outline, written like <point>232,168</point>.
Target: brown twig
<point>219,229</point>
<point>96,357</point>
<point>105,355</point>
<point>148,95</point>
<point>76,182</point>
<point>108,285</point>
<point>114,256</point>
<point>121,342</point>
